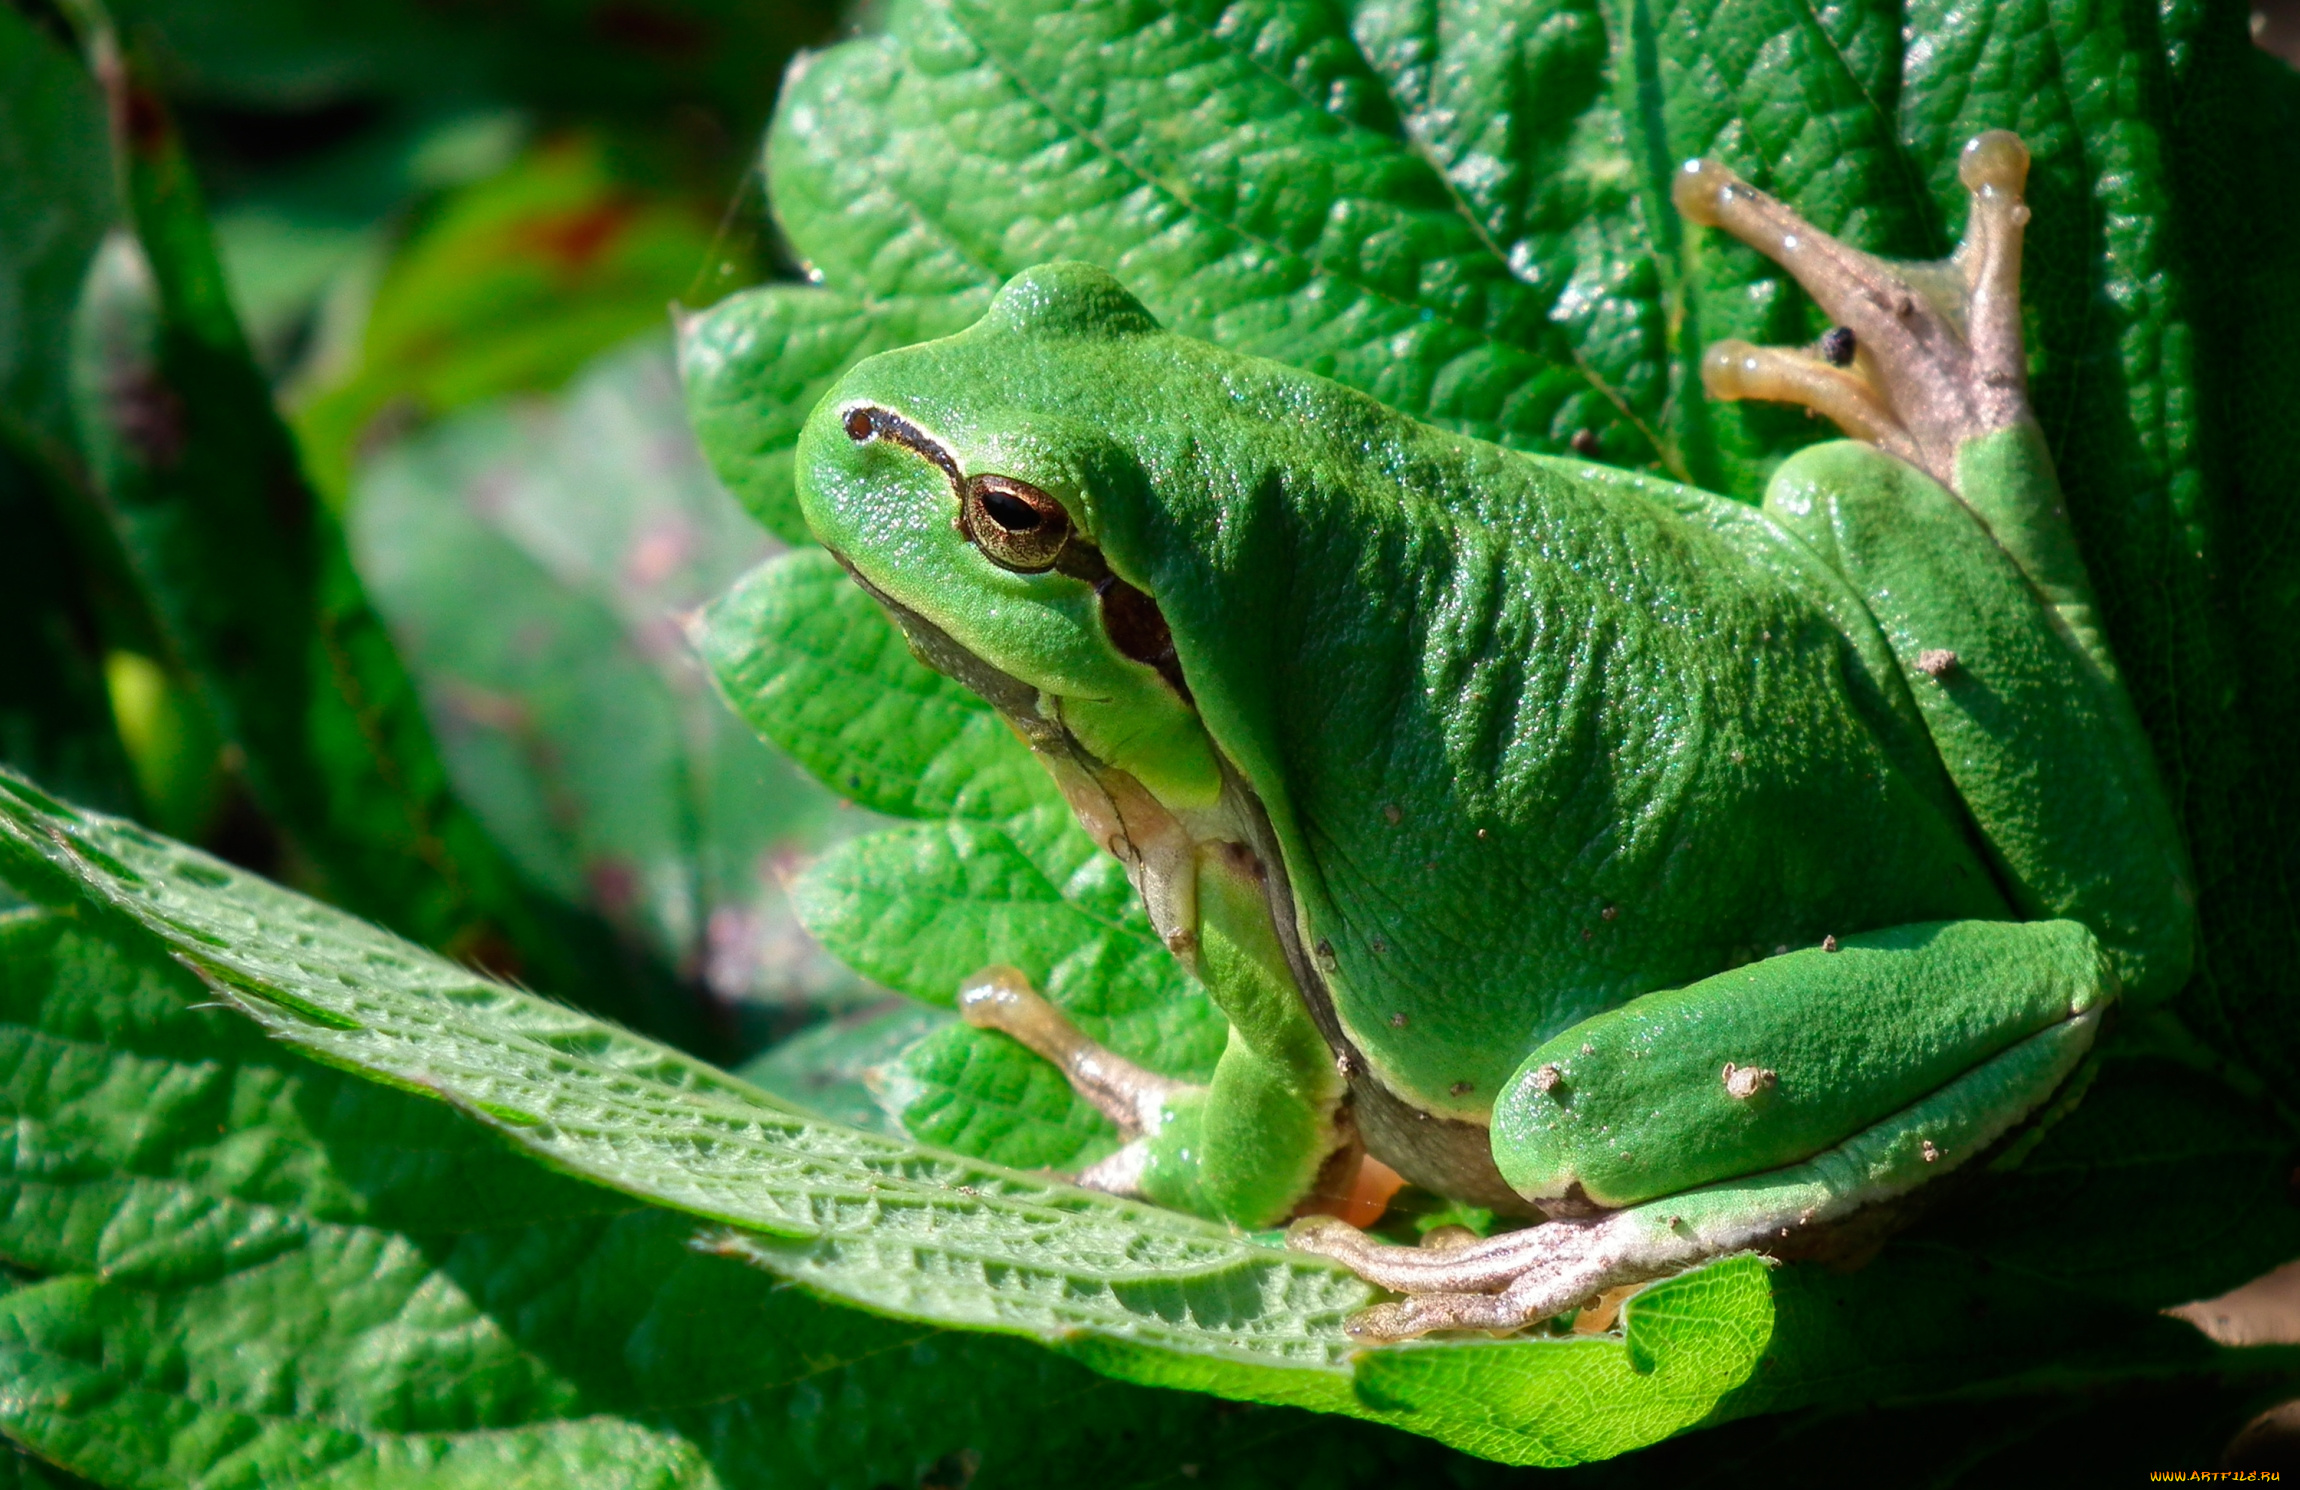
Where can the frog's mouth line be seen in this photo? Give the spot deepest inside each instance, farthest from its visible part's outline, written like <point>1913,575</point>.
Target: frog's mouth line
<point>1441,1154</point>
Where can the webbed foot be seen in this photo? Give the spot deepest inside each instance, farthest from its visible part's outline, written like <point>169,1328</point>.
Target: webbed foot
<point>1925,357</point>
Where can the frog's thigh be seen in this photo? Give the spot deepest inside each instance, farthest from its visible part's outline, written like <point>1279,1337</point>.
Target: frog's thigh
<point>1770,1064</point>
<point>1525,1276</point>
<point>2036,732</point>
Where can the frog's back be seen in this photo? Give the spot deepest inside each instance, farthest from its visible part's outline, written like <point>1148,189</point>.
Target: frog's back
<point>1537,737</point>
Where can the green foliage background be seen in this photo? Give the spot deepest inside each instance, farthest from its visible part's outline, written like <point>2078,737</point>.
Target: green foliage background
<point>356,534</point>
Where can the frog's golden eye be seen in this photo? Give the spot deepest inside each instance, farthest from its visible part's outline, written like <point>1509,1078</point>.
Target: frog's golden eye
<point>1016,525</point>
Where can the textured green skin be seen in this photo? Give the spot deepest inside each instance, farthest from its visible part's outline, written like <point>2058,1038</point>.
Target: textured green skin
<point>1535,737</point>
<point>1978,985</point>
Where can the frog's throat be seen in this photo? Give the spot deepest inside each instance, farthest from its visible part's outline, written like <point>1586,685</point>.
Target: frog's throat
<point>1444,1155</point>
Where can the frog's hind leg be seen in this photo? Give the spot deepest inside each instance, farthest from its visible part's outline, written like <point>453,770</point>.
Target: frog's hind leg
<point>1927,357</point>
<point>1926,364</point>
<point>1954,530</point>
<point>1523,1277</point>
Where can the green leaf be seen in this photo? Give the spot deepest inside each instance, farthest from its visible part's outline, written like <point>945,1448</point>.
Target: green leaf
<point>531,556</point>
<point>920,909</point>
<point>262,1271</point>
<point>257,599</point>
<point>1149,1295</point>
<point>1434,210</point>
<point>760,361</point>
<point>813,664</point>
<point>2210,576</point>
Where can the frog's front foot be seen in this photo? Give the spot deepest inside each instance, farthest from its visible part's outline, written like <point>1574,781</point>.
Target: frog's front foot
<point>1135,1098</point>
<point>1925,357</point>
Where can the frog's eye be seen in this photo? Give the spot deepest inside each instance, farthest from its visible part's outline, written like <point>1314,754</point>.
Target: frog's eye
<point>1016,525</point>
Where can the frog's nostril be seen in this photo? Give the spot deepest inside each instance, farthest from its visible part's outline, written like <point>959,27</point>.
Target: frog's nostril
<point>859,425</point>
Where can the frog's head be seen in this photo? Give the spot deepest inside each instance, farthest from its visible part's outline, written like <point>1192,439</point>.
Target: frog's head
<point>961,482</point>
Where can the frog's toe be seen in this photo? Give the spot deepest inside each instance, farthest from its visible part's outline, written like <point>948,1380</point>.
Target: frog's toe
<point>1502,1283</point>
<point>1842,392</point>
<point>1433,1313</point>
<point>1924,356</point>
<point>1134,1097</point>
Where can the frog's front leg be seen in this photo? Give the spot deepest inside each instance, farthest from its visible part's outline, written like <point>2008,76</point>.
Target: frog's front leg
<point>1269,1136</point>
<point>1246,1148</point>
<point>1140,1101</point>
<point>1753,1110</point>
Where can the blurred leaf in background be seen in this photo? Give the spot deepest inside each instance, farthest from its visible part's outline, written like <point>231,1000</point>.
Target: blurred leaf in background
<point>534,557</point>
<point>55,204</point>
<point>417,213</point>
<point>512,283</point>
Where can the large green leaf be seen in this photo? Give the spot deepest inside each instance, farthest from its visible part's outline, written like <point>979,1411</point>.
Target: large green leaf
<point>232,1265</point>
<point>1425,210</point>
<point>1163,1299</point>
<point>256,598</point>
<point>1148,1295</point>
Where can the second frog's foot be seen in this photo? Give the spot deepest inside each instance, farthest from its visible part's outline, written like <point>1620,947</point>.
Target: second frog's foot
<point>1924,356</point>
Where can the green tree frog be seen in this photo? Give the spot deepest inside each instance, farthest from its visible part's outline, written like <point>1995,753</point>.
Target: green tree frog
<point>1577,844</point>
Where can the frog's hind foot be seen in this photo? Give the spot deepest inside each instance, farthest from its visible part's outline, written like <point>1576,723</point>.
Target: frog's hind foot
<point>1925,357</point>
<point>1501,1284</point>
